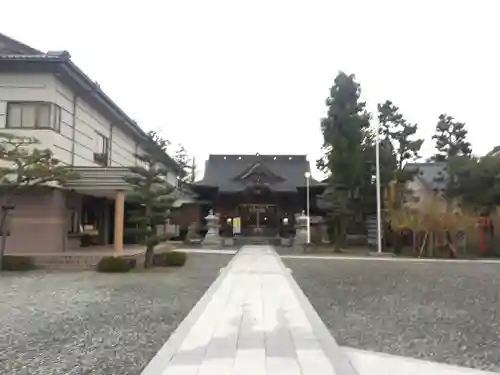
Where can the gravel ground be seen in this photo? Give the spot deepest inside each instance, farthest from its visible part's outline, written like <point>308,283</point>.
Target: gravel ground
<point>99,324</point>
<point>444,312</point>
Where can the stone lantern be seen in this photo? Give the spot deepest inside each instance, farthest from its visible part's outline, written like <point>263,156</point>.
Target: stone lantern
<point>323,228</point>
<point>212,238</point>
<point>192,233</point>
<point>300,230</point>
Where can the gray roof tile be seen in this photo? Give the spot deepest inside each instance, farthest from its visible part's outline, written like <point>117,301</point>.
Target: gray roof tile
<point>13,46</point>
<point>61,60</point>
<point>433,175</point>
<point>222,171</point>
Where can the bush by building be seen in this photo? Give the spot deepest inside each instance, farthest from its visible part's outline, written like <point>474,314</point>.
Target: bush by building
<point>170,259</point>
<point>115,265</point>
<point>17,263</point>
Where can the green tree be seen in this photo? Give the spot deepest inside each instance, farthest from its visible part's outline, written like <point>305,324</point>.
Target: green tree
<point>22,164</point>
<point>454,149</point>
<point>347,144</point>
<point>476,186</point>
<point>451,139</point>
<point>186,162</point>
<point>150,194</point>
<point>475,181</point>
<point>400,134</point>
<point>25,165</point>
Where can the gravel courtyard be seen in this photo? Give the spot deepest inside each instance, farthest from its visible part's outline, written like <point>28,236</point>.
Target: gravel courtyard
<point>95,324</point>
<point>444,312</point>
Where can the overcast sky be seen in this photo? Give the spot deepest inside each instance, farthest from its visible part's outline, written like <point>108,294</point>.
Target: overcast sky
<point>252,76</point>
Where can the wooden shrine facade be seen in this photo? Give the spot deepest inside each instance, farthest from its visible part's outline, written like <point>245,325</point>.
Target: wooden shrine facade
<point>262,192</point>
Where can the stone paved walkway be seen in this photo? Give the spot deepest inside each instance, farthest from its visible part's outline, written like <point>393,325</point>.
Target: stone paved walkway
<point>255,320</point>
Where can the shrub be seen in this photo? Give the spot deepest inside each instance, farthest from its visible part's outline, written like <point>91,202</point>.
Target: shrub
<point>170,259</point>
<point>86,240</point>
<point>160,260</point>
<point>176,258</point>
<point>114,264</point>
<point>17,263</point>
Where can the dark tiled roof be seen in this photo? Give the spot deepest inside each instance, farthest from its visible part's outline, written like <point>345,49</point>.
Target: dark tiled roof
<point>225,171</point>
<point>9,45</point>
<point>433,175</point>
<point>60,62</point>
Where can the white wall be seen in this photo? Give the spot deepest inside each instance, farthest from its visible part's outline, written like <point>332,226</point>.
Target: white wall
<point>172,178</point>
<point>424,196</point>
<point>30,87</point>
<point>123,149</point>
<point>89,122</point>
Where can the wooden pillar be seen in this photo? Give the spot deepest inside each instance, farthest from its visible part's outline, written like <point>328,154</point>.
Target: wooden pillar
<point>119,218</point>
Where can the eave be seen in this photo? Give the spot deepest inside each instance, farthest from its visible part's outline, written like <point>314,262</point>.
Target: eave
<point>68,72</point>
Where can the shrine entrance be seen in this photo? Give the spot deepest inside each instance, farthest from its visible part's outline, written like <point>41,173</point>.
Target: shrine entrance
<point>259,219</point>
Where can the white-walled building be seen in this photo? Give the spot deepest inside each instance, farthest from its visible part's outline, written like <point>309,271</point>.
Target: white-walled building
<point>46,96</point>
<point>426,187</point>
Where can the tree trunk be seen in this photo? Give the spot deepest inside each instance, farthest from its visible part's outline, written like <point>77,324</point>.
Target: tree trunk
<point>432,240</point>
<point>3,229</point>
<point>424,244</point>
<point>148,260</point>
<point>448,242</point>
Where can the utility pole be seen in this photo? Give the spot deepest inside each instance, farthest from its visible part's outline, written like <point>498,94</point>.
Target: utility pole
<point>378,184</point>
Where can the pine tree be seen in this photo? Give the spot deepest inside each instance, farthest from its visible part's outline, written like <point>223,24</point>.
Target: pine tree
<point>451,139</point>
<point>346,146</point>
<point>399,132</point>
<point>151,195</point>
<point>186,162</point>
<point>22,165</point>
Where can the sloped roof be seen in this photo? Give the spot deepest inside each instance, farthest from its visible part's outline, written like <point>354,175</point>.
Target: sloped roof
<point>227,171</point>
<point>9,45</point>
<point>60,63</point>
<point>434,175</point>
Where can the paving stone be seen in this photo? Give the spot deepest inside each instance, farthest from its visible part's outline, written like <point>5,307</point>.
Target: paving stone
<point>252,326</point>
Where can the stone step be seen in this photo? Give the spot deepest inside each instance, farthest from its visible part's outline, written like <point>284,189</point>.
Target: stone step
<point>251,240</point>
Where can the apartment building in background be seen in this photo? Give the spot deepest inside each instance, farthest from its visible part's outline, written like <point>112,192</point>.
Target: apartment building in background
<point>46,96</point>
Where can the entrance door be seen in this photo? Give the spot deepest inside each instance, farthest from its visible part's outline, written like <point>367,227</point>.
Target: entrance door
<point>259,219</point>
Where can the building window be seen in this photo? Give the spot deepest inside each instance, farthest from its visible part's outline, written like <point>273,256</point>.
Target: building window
<point>101,151</point>
<point>34,115</point>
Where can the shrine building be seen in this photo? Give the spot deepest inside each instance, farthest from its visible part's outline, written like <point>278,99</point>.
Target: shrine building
<point>263,192</point>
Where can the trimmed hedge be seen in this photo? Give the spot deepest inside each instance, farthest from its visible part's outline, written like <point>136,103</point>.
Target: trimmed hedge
<point>17,263</point>
<point>115,264</point>
<point>170,259</point>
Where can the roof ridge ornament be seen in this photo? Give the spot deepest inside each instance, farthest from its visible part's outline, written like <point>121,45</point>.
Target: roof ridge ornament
<point>253,169</point>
